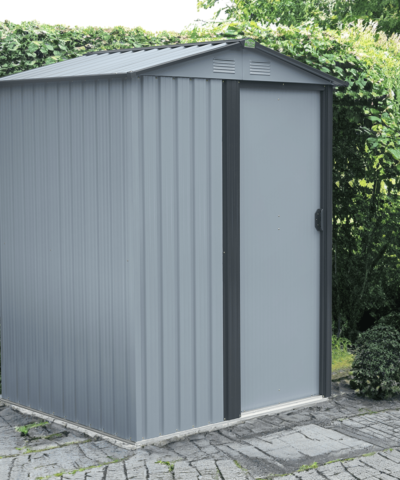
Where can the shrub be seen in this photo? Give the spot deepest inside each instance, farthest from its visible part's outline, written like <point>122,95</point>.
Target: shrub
<point>393,320</point>
<point>376,367</point>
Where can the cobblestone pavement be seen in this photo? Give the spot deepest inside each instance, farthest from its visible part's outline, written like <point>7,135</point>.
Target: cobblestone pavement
<point>346,438</point>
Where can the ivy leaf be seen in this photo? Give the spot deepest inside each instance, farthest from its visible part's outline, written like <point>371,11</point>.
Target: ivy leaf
<point>395,152</point>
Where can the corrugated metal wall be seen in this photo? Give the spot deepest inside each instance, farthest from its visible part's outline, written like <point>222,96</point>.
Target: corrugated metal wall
<point>111,252</point>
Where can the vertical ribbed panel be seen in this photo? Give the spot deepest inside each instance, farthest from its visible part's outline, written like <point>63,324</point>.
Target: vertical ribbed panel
<point>111,252</point>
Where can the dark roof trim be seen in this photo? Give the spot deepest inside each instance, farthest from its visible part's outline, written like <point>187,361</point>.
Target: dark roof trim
<point>159,47</point>
<point>332,80</point>
<point>72,78</point>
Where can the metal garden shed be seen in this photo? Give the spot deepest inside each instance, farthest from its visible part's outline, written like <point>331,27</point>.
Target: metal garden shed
<point>165,225</point>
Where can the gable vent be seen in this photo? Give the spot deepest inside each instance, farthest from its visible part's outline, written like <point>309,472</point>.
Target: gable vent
<point>260,68</point>
<point>223,66</point>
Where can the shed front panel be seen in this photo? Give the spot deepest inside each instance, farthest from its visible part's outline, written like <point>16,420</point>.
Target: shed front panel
<point>280,192</point>
<point>111,252</point>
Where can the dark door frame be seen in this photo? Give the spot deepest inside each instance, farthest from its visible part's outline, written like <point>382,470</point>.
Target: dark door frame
<point>231,239</point>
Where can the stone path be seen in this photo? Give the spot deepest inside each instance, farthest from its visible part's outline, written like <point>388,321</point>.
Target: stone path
<point>346,438</point>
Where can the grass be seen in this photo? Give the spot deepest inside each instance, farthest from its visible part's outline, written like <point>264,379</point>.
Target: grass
<point>342,359</point>
<point>239,466</point>
<point>24,429</point>
<point>83,469</point>
<point>170,465</point>
<point>305,468</point>
<point>27,450</point>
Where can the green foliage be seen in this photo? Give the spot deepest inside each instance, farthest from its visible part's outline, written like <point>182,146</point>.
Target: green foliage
<point>24,429</point>
<point>342,359</point>
<point>392,319</point>
<point>305,468</point>
<point>170,465</point>
<point>376,367</point>
<point>284,12</point>
<point>31,45</point>
<point>386,12</point>
<point>327,13</point>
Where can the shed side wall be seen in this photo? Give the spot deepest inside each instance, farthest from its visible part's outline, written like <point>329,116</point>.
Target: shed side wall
<point>111,252</point>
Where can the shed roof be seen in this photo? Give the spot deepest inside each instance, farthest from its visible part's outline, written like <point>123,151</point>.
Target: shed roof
<point>139,60</point>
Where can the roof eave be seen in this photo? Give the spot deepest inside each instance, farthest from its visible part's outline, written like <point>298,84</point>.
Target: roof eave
<point>6,81</point>
<point>295,63</point>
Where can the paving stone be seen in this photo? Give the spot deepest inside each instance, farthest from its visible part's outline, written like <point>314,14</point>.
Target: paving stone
<point>94,474</point>
<point>382,464</point>
<point>247,450</point>
<point>67,439</point>
<point>276,448</point>
<point>216,438</point>
<point>5,467</point>
<point>332,469</point>
<point>158,471</point>
<point>113,452</point>
<point>276,420</point>
<point>135,468</point>
<point>293,417</point>
<point>203,442</point>
<point>183,471</point>
<point>76,476</point>
<point>207,469</point>
<point>359,470</point>
<point>382,429</point>
<point>239,430</point>
<point>187,449</point>
<point>38,432</point>
<point>346,426</point>
<point>230,471</point>
<point>258,426</point>
<point>213,452</point>
<point>391,454</point>
<point>305,442</point>
<point>115,471</point>
<point>310,475</point>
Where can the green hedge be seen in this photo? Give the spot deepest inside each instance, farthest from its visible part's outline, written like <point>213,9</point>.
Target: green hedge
<point>366,133</point>
<point>376,366</point>
<point>32,45</point>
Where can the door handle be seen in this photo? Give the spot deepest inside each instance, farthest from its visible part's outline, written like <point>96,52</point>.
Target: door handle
<point>319,219</point>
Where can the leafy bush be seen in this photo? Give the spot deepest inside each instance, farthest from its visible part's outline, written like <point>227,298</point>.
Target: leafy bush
<point>328,13</point>
<point>32,45</point>
<point>392,319</point>
<point>376,367</point>
<point>342,359</point>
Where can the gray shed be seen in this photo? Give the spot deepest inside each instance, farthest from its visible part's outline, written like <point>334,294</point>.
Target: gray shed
<point>165,226</point>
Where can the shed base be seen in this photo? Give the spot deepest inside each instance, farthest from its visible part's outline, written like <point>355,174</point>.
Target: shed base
<point>173,437</point>
<point>283,407</point>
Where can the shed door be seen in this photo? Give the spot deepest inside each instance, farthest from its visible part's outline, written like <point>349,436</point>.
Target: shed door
<point>280,192</point>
